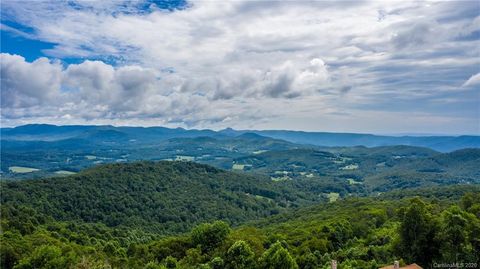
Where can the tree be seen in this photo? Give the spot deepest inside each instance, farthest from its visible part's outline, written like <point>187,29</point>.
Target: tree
<point>417,233</point>
<point>193,257</point>
<point>217,263</point>
<point>453,235</point>
<point>209,236</point>
<point>475,238</point>
<point>170,262</point>
<point>468,199</point>
<point>277,257</point>
<point>171,246</point>
<point>339,233</point>
<point>470,202</point>
<point>308,261</point>
<point>154,265</point>
<point>50,257</point>
<point>239,256</point>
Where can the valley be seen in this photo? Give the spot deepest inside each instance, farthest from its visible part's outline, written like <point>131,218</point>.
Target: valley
<point>245,134</point>
<point>95,197</point>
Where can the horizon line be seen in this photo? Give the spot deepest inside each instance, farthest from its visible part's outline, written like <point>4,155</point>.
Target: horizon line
<point>396,134</point>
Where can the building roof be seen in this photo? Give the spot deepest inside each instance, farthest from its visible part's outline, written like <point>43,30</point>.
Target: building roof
<point>411,266</point>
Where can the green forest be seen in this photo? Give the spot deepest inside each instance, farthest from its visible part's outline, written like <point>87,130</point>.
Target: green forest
<point>187,215</point>
<point>239,134</point>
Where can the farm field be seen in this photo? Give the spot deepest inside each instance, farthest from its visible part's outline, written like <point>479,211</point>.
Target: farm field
<point>22,169</point>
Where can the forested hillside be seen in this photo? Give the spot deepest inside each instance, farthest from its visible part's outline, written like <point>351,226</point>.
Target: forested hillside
<point>364,170</point>
<point>291,208</point>
<point>315,171</point>
<point>442,226</point>
<point>239,134</point>
<point>164,197</point>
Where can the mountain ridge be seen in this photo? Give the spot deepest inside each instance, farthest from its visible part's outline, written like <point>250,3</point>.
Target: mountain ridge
<point>330,139</point>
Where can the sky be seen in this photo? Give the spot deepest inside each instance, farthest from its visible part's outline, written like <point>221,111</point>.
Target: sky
<point>384,67</point>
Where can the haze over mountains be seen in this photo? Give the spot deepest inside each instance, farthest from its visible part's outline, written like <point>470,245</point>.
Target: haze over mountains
<point>93,133</point>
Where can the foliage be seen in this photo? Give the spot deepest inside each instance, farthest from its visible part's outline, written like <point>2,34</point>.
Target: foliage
<point>64,223</point>
<point>209,236</point>
<point>161,197</point>
<point>277,257</point>
<point>240,256</point>
<point>417,233</point>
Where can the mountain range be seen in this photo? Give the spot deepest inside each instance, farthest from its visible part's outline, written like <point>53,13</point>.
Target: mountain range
<point>134,197</point>
<point>107,133</point>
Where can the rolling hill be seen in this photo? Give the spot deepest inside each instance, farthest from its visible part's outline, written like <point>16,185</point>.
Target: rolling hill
<point>364,170</point>
<point>165,197</point>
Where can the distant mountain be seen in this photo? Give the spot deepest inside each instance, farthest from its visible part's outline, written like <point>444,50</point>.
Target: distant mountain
<point>46,132</point>
<point>146,135</point>
<point>383,151</point>
<point>440,143</point>
<point>106,135</point>
<point>96,146</point>
<point>251,136</point>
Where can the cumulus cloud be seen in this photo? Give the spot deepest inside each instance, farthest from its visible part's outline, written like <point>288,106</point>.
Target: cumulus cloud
<point>217,63</point>
<point>94,90</point>
<point>28,84</point>
<point>291,79</point>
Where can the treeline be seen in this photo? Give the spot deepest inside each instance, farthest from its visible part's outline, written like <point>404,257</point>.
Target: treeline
<point>357,232</point>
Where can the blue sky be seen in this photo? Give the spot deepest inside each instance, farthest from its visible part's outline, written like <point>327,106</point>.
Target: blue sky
<point>350,66</point>
<point>20,39</point>
<point>13,43</point>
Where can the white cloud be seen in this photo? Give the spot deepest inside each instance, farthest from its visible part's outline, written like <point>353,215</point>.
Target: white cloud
<point>94,90</point>
<point>474,80</point>
<point>230,58</point>
<point>28,84</point>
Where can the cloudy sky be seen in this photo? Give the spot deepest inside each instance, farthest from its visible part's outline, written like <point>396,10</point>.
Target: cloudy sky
<point>351,66</point>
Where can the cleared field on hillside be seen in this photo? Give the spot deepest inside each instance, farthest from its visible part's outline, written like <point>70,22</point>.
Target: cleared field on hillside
<point>22,169</point>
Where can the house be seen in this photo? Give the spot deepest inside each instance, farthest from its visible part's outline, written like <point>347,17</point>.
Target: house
<point>396,265</point>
